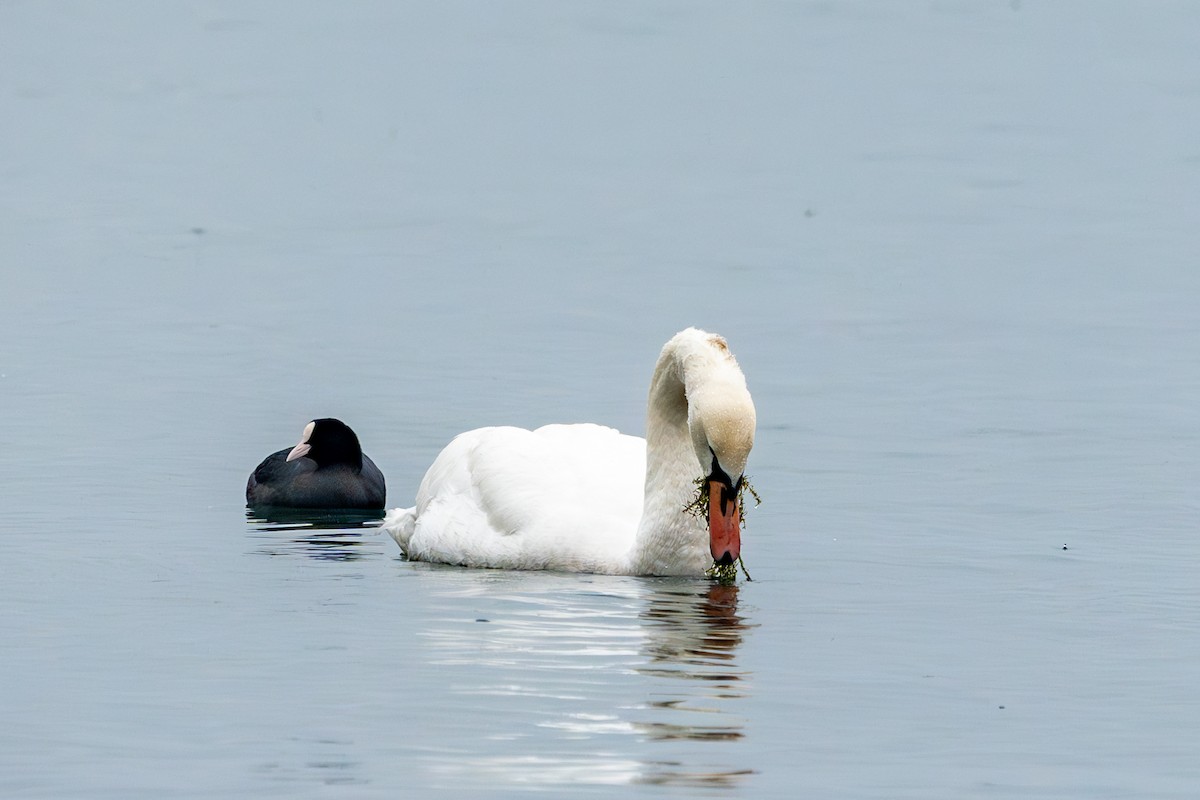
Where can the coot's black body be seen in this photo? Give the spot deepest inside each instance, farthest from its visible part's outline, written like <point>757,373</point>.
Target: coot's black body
<point>326,470</point>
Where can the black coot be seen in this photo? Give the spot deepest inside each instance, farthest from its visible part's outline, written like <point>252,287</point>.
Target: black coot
<point>326,470</point>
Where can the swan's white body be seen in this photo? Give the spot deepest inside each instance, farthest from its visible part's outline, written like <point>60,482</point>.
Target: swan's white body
<point>585,498</point>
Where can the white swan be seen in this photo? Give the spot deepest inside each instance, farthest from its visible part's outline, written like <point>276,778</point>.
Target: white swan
<point>585,498</point>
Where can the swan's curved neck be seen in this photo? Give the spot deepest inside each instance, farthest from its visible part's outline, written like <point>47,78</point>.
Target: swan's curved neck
<point>669,539</point>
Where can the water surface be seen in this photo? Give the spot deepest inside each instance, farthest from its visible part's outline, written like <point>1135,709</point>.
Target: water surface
<point>952,244</point>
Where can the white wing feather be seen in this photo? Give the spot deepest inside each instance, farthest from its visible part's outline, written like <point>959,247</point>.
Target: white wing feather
<point>565,497</point>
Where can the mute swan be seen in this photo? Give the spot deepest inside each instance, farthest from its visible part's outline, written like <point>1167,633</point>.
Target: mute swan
<point>326,470</point>
<point>585,498</point>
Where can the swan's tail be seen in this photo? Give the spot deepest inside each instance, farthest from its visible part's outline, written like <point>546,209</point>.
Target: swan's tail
<point>400,524</point>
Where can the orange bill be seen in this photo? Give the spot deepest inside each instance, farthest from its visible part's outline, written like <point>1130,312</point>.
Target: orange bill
<point>724,523</point>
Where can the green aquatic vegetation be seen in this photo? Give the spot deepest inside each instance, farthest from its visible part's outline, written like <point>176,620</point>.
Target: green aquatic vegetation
<point>723,573</point>
<point>726,574</point>
<point>699,505</point>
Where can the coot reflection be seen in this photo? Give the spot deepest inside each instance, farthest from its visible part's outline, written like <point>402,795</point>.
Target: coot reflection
<point>324,534</point>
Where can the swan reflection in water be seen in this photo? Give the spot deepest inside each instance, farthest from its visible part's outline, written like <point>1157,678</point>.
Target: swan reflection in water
<point>326,535</point>
<point>609,681</point>
<point>681,650</point>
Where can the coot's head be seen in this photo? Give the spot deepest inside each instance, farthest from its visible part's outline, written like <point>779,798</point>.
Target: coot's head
<point>329,442</point>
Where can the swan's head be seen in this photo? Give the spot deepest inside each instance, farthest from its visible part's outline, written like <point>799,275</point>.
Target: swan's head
<point>722,429</point>
<point>721,421</point>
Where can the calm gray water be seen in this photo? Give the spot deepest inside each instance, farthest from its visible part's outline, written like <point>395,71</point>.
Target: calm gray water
<point>954,245</point>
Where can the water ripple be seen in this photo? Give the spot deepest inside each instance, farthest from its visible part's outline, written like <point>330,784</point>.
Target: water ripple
<point>322,535</point>
<point>607,674</point>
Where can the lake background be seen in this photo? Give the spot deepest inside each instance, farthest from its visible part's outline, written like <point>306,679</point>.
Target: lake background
<point>953,245</point>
